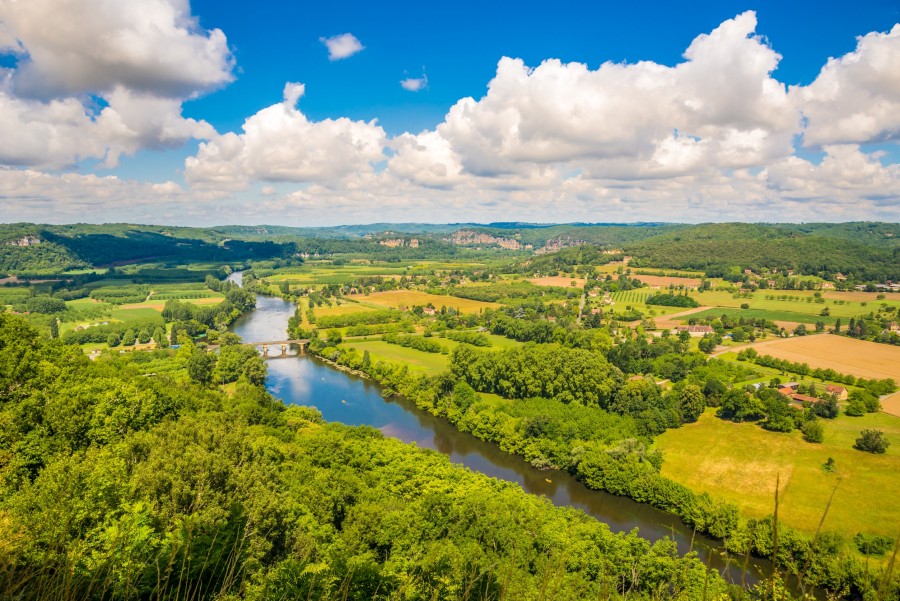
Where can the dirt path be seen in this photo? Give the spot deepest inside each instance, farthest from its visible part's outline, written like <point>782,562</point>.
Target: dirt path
<point>666,322</point>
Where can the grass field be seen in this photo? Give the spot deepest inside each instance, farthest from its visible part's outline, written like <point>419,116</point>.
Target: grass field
<point>788,316</point>
<point>846,355</point>
<point>418,361</point>
<point>739,463</point>
<point>407,298</point>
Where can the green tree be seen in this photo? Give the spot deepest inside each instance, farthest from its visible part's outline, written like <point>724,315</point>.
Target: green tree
<point>112,340</point>
<point>200,366</point>
<point>128,337</point>
<point>813,431</point>
<point>159,337</point>
<point>872,441</point>
<point>54,328</point>
<point>143,336</point>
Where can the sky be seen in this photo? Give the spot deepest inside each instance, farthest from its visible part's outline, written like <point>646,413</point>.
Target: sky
<point>214,112</point>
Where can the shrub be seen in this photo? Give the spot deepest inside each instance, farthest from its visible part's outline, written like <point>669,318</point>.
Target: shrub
<point>813,431</point>
<point>872,441</point>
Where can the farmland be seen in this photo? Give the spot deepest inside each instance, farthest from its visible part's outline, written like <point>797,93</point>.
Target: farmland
<point>394,299</point>
<point>847,355</point>
<point>727,470</point>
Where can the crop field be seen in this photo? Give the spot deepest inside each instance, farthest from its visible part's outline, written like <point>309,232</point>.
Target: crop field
<point>418,361</point>
<point>342,309</point>
<point>846,355</point>
<point>631,297</point>
<point>726,469</point>
<point>394,299</point>
<point>557,280</point>
<point>666,281</point>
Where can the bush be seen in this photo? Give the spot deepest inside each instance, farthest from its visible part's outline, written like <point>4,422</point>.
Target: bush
<point>813,431</point>
<point>872,544</point>
<point>872,441</point>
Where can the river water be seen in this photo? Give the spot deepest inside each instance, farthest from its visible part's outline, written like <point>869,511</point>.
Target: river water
<point>345,398</point>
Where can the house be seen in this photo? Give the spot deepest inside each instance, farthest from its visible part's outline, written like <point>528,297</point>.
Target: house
<point>839,391</point>
<point>788,392</point>
<point>694,331</point>
<point>826,286</point>
<point>840,277</point>
<point>792,385</point>
<point>428,311</point>
<point>805,398</point>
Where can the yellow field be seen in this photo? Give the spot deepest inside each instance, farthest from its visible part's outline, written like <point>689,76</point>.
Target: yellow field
<point>665,281</point>
<point>345,309</point>
<point>846,355</point>
<point>396,299</point>
<point>557,280</point>
<point>739,463</point>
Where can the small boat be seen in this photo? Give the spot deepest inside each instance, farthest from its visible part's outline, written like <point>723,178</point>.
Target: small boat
<point>548,480</point>
<point>343,401</point>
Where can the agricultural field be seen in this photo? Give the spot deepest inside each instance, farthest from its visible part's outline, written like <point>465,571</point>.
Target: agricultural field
<point>657,281</point>
<point>726,470</point>
<point>418,361</point>
<point>394,299</point>
<point>846,355</point>
<point>557,280</point>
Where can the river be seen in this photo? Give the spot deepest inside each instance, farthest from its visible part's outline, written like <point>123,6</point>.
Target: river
<point>345,398</point>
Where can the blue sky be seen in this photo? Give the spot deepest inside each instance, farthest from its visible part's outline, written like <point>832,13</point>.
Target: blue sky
<point>151,141</point>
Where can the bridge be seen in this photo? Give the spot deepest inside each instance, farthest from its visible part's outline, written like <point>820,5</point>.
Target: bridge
<point>265,344</point>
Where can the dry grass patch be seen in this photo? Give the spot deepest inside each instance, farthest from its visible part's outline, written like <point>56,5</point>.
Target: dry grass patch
<point>557,280</point>
<point>396,299</point>
<point>665,281</point>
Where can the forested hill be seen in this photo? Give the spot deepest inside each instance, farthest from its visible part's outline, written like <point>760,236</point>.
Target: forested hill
<point>28,248</point>
<point>865,251</point>
<point>116,484</point>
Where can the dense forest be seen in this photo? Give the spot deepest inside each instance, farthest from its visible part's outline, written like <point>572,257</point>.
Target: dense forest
<point>118,485</point>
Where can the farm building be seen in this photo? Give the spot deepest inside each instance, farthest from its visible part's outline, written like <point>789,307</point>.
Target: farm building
<point>839,391</point>
<point>804,398</point>
<point>694,331</point>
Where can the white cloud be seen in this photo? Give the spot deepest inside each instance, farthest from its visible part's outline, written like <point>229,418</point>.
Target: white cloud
<point>414,84</point>
<point>138,60</point>
<point>719,109</point>
<point>855,98</point>
<point>342,46</point>
<point>84,46</point>
<point>280,144</point>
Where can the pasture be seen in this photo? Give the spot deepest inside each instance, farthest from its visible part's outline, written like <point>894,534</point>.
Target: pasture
<point>418,361</point>
<point>740,462</point>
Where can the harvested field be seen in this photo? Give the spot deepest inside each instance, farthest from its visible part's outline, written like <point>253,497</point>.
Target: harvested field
<point>665,281</point>
<point>891,404</point>
<point>846,355</point>
<point>395,299</point>
<point>557,280</point>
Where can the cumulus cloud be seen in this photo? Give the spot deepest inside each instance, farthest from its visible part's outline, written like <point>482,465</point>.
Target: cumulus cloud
<point>719,108</point>
<point>414,84</point>
<point>83,46</point>
<point>280,144</point>
<point>342,46</point>
<point>855,98</point>
<point>111,85</point>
